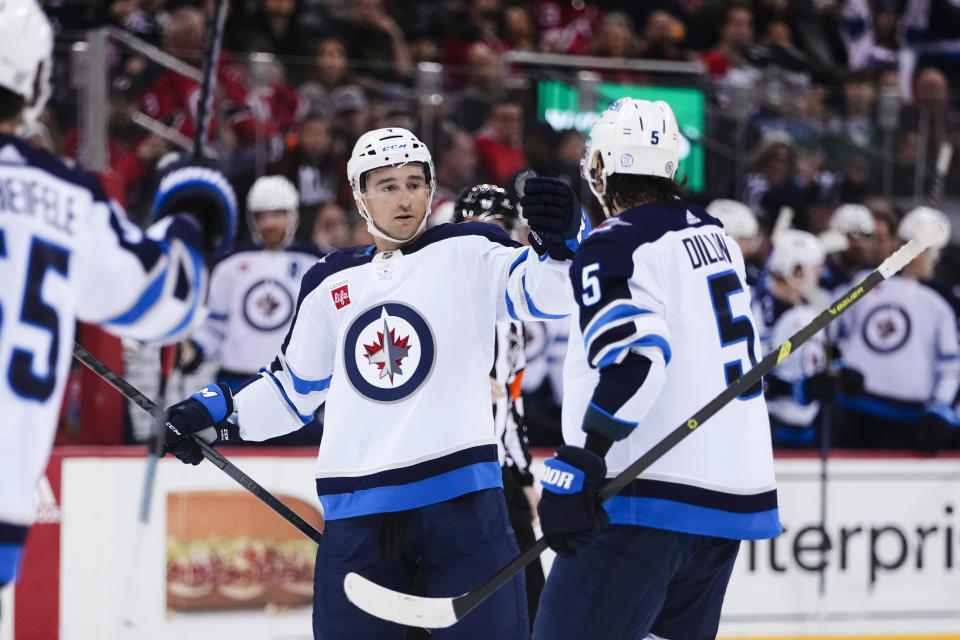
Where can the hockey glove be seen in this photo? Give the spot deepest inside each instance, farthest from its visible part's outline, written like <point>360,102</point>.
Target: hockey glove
<point>849,382</point>
<point>570,510</point>
<point>937,428</point>
<point>553,212</point>
<point>204,195</point>
<point>203,414</point>
<point>189,356</point>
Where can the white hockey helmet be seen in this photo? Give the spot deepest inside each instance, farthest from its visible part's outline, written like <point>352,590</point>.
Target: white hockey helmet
<point>853,218</point>
<point>917,219</point>
<point>635,137</point>
<point>391,147</point>
<point>273,193</point>
<point>26,48</point>
<point>794,248</point>
<point>737,218</point>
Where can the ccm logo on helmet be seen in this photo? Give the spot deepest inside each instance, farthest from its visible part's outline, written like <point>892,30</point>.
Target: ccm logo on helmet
<point>395,146</point>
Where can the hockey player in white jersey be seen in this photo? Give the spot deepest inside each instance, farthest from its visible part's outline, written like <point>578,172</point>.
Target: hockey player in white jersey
<point>903,337</point>
<point>254,289</point>
<point>741,224</point>
<point>664,326</point>
<point>788,301</point>
<point>67,253</point>
<point>397,338</point>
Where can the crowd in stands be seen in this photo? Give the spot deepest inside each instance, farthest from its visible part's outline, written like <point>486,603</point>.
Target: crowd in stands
<point>812,104</point>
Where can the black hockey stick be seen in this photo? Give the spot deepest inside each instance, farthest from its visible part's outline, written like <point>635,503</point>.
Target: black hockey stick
<point>443,612</point>
<point>211,454</point>
<point>211,63</point>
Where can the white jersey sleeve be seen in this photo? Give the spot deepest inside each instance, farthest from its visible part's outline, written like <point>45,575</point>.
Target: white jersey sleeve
<point>210,334</point>
<point>68,253</point>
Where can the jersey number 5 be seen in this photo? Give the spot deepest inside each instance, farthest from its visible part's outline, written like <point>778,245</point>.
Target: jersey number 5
<point>38,314</point>
<point>733,329</point>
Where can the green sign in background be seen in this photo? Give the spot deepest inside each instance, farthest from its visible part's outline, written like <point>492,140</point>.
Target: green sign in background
<point>559,104</point>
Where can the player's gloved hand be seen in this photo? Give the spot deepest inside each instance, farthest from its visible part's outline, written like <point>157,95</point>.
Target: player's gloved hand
<point>202,195</point>
<point>570,511</point>
<point>189,356</point>
<point>204,414</point>
<point>848,382</point>
<point>553,212</point>
<point>938,427</point>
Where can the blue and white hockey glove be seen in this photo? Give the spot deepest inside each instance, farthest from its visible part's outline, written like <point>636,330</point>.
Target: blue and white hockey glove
<point>203,194</point>
<point>553,212</point>
<point>203,414</point>
<point>570,510</point>
<point>937,428</point>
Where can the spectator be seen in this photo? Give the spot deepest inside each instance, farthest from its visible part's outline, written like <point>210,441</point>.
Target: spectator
<point>273,26</point>
<point>172,98</point>
<point>376,44</point>
<point>499,142</point>
<point>314,169</point>
<point>330,70</point>
<point>478,25</point>
<point>518,31</point>
<point>662,38</point>
<point>567,27</point>
<point>350,113</point>
<point>331,231</point>
<point>483,78</point>
<point>856,128</point>
<point>736,33</point>
<point>455,159</point>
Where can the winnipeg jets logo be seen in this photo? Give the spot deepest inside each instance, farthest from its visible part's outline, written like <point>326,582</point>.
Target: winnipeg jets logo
<point>886,328</point>
<point>388,352</point>
<point>268,305</point>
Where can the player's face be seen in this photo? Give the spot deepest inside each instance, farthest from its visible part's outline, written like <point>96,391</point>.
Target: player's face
<point>397,199</point>
<point>272,227</point>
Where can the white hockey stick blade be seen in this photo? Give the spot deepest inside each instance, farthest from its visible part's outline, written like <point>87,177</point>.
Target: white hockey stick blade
<point>386,604</point>
<point>932,234</point>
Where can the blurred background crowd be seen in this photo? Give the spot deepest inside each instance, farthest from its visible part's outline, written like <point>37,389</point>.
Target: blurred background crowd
<point>800,104</point>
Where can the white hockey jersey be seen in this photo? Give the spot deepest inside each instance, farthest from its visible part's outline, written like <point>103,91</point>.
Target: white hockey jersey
<point>903,338</point>
<point>778,322</point>
<point>252,299</point>
<point>400,345</point>
<point>665,281</point>
<point>66,254</point>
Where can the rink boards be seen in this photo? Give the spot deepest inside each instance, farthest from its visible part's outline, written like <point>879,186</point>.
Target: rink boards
<point>886,565</point>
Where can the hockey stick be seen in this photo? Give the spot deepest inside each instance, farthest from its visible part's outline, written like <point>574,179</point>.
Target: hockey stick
<point>443,612</point>
<point>211,62</point>
<point>944,155</point>
<point>211,454</point>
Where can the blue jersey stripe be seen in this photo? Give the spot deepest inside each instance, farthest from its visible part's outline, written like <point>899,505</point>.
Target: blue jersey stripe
<point>412,473</point>
<point>197,277</point>
<point>439,488</point>
<point>304,386</point>
<point>537,313</point>
<point>510,308</point>
<point>516,263</point>
<point>304,419</point>
<point>882,408</point>
<point>686,518</point>
<point>651,340</point>
<point>10,555</point>
<point>146,301</point>
<point>619,311</point>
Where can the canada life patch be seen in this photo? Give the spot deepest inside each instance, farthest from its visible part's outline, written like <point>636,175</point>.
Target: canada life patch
<point>340,294</point>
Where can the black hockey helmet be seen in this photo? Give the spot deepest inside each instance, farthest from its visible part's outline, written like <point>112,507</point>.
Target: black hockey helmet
<point>486,203</point>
